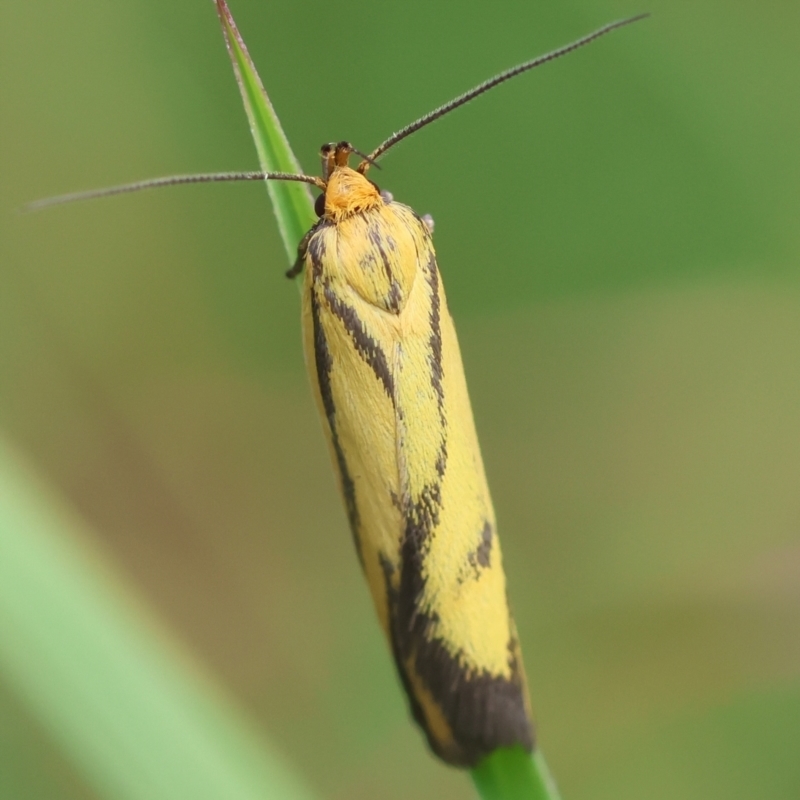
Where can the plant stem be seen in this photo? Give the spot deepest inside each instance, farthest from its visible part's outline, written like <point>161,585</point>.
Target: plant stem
<point>513,774</point>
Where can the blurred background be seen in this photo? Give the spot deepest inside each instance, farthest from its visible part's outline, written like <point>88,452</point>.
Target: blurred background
<point>618,237</point>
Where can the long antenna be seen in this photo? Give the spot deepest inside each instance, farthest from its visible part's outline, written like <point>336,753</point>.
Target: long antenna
<point>432,116</point>
<point>172,180</point>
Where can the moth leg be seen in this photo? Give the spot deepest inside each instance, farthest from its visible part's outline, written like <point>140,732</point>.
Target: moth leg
<point>299,263</point>
<point>297,267</point>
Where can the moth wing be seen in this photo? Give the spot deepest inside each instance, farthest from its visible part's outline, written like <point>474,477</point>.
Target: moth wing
<point>392,392</point>
<point>452,626</point>
<point>350,354</point>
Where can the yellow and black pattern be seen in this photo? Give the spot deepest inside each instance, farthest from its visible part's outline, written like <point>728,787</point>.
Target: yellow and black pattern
<point>385,364</point>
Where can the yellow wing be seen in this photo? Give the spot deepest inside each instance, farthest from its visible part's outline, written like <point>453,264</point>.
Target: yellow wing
<point>384,360</point>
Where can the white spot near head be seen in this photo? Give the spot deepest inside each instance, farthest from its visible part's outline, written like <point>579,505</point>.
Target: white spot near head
<point>428,220</point>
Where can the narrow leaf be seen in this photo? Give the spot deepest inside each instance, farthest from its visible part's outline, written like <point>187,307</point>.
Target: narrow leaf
<point>291,201</point>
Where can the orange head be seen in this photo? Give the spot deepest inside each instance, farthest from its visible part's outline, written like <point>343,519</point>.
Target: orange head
<point>347,191</point>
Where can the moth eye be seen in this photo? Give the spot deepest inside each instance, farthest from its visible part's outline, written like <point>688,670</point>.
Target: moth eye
<point>319,205</point>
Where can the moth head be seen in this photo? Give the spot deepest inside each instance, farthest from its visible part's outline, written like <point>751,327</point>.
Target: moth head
<point>347,191</point>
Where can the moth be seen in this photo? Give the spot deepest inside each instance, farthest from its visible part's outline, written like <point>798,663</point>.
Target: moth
<point>385,367</point>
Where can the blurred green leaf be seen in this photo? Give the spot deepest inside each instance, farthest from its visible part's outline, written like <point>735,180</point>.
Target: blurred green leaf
<point>132,712</point>
<point>745,747</point>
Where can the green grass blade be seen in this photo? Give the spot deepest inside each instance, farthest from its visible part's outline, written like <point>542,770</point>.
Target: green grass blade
<point>291,201</point>
<point>132,712</point>
<point>513,774</point>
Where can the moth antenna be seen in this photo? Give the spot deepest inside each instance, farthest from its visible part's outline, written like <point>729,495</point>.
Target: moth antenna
<point>501,77</point>
<point>172,180</point>
<point>367,159</point>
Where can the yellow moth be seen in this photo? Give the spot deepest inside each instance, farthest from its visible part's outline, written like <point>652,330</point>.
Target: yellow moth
<point>383,358</point>
<point>384,362</point>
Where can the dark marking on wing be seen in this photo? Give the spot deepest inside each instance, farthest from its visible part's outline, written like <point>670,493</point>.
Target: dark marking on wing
<point>435,359</point>
<point>323,363</point>
<point>302,250</point>
<point>437,374</point>
<point>366,346</point>
<point>483,711</point>
<point>481,555</point>
<point>394,638</point>
<point>483,552</point>
<point>381,242</point>
<point>394,298</point>
<point>379,239</point>
<point>316,248</point>
<point>441,460</point>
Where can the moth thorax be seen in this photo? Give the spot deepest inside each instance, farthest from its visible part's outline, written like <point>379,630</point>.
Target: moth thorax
<point>349,192</point>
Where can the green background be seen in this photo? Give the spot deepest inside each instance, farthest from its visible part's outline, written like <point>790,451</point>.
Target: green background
<point>618,233</point>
